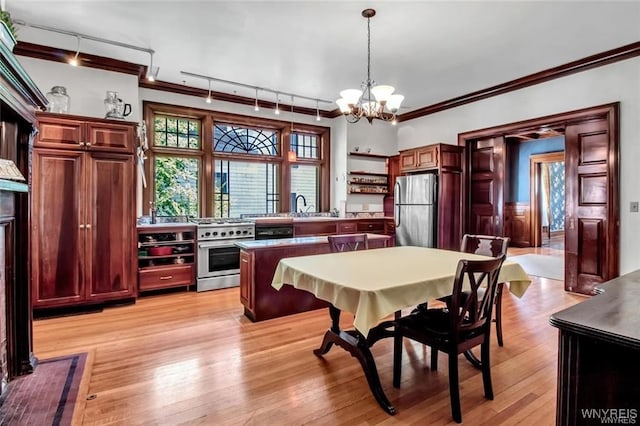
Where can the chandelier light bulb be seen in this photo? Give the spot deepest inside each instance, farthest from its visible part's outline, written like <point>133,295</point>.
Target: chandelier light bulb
<point>277,111</point>
<point>393,104</point>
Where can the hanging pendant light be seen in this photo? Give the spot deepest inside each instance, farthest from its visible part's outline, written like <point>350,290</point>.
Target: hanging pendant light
<point>371,101</point>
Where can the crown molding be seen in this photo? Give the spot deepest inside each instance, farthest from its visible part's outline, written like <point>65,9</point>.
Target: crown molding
<point>604,58</point>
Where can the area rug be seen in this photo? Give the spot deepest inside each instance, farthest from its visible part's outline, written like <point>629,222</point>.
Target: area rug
<point>48,396</point>
<point>541,266</point>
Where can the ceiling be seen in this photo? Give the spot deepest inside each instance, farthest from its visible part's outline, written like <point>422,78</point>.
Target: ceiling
<point>430,51</point>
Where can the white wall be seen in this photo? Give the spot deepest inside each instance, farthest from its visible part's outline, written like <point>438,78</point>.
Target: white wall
<point>619,82</point>
<point>86,87</point>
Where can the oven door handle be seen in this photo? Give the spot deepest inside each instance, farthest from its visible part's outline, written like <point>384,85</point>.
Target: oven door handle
<point>218,244</point>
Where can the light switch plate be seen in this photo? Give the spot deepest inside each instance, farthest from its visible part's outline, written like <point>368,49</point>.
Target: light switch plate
<point>633,207</point>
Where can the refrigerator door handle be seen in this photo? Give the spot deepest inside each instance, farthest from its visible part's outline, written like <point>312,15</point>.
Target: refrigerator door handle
<point>396,204</point>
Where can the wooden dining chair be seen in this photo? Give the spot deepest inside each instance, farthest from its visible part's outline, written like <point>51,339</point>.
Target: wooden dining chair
<point>465,324</point>
<point>348,242</point>
<point>488,245</point>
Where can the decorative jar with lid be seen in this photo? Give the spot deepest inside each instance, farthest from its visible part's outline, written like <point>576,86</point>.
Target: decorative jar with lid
<point>58,100</point>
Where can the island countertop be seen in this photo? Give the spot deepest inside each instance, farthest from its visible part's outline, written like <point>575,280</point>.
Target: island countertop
<point>297,241</point>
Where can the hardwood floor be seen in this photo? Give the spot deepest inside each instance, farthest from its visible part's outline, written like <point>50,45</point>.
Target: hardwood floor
<point>193,358</point>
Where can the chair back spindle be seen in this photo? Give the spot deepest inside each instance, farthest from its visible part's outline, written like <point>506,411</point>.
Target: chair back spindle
<point>349,242</point>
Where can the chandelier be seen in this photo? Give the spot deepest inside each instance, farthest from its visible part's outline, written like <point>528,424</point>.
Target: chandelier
<point>371,101</point>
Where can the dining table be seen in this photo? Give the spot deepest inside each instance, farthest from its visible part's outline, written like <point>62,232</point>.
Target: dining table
<point>374,284</point>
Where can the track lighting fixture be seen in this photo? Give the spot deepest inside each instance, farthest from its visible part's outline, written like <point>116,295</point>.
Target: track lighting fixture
<point>74,61</point>
<point>256,102</point>
<point>256,107</point>
<point>208,100</point>
<point>317,111</point>
<point>152,72</point>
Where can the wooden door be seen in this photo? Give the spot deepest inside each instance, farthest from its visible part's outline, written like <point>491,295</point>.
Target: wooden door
<point>57,241</point>
<point>110,226</point>
<point>592,205</point>
<point>486,179</point>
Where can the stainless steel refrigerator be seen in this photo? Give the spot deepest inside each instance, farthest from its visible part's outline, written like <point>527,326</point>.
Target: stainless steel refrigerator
<point>415,199</point>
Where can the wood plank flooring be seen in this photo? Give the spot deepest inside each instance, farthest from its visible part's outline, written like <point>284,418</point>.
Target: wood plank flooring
<point>193,358</point>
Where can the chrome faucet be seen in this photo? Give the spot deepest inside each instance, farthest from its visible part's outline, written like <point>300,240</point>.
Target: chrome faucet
<point>304,202</point>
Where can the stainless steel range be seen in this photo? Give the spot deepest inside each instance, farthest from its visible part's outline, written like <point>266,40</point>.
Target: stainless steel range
<point>218,256</point>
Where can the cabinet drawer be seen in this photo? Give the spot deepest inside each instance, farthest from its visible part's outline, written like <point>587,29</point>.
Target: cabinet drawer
<point>171,276</point>
<point>374,227</point>
<point>347,228</point>
<point>314,228</point>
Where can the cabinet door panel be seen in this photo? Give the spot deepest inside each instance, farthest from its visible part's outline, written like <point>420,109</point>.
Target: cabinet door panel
<point>110,137</point>
<point>111,237</point>
<point>427,158</point>
<point>407,160</point>
<point>56,263</point>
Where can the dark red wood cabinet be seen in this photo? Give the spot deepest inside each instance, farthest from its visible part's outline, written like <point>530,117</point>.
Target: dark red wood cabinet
<point>446,161</point>
<point>83,215</point>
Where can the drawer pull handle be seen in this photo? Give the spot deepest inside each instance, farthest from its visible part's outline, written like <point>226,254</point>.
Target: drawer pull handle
<point>245,261</point>
<point>166,277</point>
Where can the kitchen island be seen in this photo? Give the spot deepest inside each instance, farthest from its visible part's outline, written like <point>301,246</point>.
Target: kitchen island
<point>258,262</point>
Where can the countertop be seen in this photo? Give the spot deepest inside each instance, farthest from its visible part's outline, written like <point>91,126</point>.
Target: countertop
<point>611,316</point>
<point>283,242</point>
<point>293,219</point>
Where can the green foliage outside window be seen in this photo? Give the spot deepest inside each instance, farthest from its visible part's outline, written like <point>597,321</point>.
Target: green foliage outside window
<point>176,183</point>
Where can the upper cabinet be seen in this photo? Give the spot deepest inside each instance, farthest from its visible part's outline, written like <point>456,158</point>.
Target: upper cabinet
<point>61,131</point>
<point>438,156</point>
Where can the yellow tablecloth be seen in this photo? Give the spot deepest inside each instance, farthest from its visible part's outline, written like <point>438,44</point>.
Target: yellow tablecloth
<point>375,283</point>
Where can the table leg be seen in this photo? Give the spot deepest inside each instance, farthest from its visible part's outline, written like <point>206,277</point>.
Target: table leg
<point>358,346</point>
<point>397,353</point>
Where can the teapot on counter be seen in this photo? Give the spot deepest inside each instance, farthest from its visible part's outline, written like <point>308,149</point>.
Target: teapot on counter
<point>115,107</point>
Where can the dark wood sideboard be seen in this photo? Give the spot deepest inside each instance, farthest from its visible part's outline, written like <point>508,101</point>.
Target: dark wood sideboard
<point>599,356</point>
<point>19,99</point>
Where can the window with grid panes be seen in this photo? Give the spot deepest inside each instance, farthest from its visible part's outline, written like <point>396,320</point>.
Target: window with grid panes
<point>248,164</point>
<point>175,174</point>
<point>305,175</point>
<point>242,186</point>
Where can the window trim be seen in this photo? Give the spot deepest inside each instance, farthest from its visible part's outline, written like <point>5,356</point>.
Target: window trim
<point>206,155</point>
